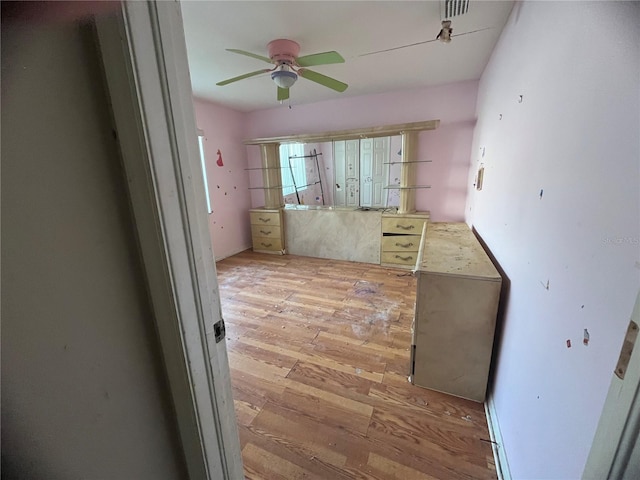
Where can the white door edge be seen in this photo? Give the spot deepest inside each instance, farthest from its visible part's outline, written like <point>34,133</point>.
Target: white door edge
<point>619,424</point>
<point>147,75</point>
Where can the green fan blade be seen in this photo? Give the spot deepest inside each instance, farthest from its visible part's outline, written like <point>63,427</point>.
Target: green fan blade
<point>325,58</point>
<point>323,80</point>
<point>249,54</point>
<point>283,94</point>
<point>241,77</point>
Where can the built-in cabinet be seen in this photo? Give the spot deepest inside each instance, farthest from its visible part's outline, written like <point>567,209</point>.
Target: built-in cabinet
<point>372,145</point>
<point>458,290</point>
<point>267,230</point>
<point>400,238</point>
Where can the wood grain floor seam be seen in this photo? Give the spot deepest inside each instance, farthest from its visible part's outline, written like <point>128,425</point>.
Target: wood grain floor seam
<point>319,358</point>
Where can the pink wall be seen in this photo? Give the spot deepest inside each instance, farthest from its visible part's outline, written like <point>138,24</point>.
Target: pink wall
<point>574,137</point>
<point>448,146</point>
<point>228,185</point>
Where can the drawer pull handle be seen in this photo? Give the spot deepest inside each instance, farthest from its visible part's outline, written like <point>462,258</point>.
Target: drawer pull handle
<point>265,220</point>
<point>405,227</point>
<point>404,259</point>
<point>266,245</point>
<point>404,245</point>
<point>268,232</point>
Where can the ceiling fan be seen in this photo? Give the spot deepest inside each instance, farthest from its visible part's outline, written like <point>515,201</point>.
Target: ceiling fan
<point>283,54</point>
<point>449,8</point>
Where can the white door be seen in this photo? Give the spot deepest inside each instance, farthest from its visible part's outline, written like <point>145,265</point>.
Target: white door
<point>339,170</point>
<point>146,71</point>
<point>615,450</point>
<point>352,173</point>
<point>366,172</point>
<point>346,173</point>
<point>374,171</point>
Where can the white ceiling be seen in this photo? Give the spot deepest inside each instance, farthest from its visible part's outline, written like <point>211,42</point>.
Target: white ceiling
<point>352,28</point>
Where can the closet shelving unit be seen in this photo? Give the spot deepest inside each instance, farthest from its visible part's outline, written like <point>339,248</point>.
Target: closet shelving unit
<point>267,222</point>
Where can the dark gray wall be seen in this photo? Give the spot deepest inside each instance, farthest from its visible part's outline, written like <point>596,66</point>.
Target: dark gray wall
<point>83,389</point>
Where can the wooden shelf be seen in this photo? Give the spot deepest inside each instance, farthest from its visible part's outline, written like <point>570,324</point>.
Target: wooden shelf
<point>371,132</point>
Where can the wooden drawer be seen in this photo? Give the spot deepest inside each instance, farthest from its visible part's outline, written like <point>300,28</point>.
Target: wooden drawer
<point>265,218</point>
<point>268,231</point>
<point>400,243</point>
<point>403,225</point>
<point>267,244</point>
<point>399,258</point>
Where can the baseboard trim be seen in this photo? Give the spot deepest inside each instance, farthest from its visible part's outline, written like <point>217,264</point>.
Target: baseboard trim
<point>235,252</point>
<point>497,445</point>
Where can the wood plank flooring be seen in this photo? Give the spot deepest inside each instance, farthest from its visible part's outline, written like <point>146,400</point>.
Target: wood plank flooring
<point>319,355</point>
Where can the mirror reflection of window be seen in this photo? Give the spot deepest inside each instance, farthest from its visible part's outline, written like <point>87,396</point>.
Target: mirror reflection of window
<point>304,177</point>
<point>292,163</point>
<point>357,173</point>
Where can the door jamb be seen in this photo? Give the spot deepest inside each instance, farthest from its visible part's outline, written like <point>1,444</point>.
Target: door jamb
<point>619,425</point>
<point>144,56</point>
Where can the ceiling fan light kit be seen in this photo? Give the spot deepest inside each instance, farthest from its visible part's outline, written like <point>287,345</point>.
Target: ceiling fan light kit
<point>283,54</point>
<point>284,78</point>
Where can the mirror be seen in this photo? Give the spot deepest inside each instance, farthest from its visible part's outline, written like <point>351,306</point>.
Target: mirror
<point>346,173</point>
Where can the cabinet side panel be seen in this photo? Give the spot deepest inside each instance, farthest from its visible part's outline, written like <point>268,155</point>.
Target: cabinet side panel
<point>455,324</point>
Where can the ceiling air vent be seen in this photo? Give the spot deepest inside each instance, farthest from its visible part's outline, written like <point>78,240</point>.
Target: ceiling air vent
<point>454,8</point>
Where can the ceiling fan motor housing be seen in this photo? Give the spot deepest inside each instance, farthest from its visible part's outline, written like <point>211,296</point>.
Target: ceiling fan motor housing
<point>283,51</point>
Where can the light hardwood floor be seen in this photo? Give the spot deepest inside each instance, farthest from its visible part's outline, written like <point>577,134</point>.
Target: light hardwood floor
<point>319,355</point>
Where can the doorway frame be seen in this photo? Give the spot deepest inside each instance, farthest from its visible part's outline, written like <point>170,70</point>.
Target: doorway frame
<point>146,72</point>
<point>614,443</point>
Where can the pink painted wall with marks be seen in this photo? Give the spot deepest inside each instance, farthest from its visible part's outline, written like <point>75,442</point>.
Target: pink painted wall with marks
<point>449,146</point>
<point>228,184</point>
<point>559,209</point>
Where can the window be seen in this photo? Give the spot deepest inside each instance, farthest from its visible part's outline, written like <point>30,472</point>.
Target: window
<point>297,167</point>
<point>203,164</point>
